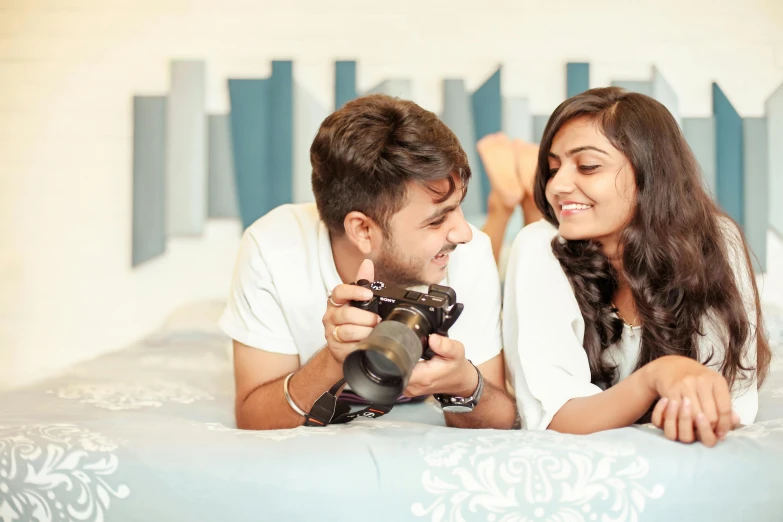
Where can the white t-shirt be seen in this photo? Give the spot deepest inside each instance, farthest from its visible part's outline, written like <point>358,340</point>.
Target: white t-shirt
<point>285,272</point>
<point>543,331</point>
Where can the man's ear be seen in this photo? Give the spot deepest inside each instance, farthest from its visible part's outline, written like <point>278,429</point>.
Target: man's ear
<point>363,232</point>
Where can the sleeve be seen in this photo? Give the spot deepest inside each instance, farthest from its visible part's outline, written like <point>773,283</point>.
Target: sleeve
<point>745,396</point>
<point>253,314</point>
<point>543,330</point>
<point>478,328</point>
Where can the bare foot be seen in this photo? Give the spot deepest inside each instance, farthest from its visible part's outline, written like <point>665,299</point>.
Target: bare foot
<point>497,155</point>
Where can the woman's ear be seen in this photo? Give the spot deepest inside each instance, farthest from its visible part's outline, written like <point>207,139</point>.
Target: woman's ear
<point>362,231</point>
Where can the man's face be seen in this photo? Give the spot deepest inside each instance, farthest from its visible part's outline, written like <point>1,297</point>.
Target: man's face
<point>421,236</point>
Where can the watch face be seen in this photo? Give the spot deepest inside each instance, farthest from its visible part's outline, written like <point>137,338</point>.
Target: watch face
<point>453,408</point>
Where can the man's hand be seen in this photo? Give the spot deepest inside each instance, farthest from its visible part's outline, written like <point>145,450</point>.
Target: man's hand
<point>345,325</point>
<point>448,371</point>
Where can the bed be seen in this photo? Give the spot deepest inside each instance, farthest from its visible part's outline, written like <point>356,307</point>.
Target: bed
<point>147,433</point>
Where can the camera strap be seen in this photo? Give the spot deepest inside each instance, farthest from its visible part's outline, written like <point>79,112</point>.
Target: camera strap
<point>328,409</point>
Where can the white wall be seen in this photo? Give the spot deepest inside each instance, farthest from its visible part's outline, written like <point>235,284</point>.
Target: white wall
<point>70,67</point>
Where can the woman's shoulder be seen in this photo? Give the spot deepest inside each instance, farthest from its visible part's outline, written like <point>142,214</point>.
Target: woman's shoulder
<point>536,237</point>
<point>531,254</point>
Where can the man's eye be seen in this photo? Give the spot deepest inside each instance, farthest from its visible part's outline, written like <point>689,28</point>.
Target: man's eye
<point>438,223</point>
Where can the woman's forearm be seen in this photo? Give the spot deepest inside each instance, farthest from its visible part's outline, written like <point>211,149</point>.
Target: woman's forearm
<point>618,407</point>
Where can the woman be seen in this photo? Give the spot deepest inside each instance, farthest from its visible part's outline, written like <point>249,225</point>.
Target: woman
<point>635,290</point>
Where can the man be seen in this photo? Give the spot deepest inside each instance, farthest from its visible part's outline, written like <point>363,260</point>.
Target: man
<point>388,179</point>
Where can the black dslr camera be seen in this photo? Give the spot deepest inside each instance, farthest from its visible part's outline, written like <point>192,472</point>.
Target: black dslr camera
<point>380,367</point>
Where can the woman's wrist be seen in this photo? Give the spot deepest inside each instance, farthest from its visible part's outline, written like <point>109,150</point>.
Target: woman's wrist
<point>649,374</point>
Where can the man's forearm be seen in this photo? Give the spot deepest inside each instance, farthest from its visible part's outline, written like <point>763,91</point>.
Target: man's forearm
<point>266,408</point>
<point>495,410</point>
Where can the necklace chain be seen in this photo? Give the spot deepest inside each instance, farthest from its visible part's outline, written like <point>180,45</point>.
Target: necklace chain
<point>617,311</point>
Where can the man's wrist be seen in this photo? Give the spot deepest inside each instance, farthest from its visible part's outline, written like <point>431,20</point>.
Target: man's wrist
<point>333,366</point>
<point>468,383</point>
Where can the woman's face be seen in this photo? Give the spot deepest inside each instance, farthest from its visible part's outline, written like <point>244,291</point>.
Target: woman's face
<point>591,186</point>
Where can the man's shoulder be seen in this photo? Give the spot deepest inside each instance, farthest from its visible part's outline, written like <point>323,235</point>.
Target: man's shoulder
<point>290,223</point>
<point>478,247</point>
<point>471,259</point>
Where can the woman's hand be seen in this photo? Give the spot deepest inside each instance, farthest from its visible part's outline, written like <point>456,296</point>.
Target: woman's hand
<point>695,401</point>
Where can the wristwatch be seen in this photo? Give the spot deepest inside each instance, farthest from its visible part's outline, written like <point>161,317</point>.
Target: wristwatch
<point>452,404</point>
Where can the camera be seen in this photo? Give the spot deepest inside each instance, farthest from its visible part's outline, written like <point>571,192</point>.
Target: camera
<point>380,367</point>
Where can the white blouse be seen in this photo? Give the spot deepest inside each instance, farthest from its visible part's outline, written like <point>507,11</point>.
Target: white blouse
<point>543,331</point>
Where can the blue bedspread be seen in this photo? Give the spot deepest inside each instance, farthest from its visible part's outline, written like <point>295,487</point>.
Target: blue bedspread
<point>148,434</point>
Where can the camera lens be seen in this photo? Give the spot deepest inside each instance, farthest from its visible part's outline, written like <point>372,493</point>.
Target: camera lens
<point>380,367</point>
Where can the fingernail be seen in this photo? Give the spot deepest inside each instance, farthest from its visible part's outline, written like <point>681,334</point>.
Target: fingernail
<point>664,400</point>
<point>378,319</point>
<point>686,401</point>
<point>367,295</point>
<point>700,417</point>
<point>434,341</point>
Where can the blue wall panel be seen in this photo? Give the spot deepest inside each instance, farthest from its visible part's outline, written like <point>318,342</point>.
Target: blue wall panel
<point>577,78</point>
<point>458,115</point>
<point>250,114</point>
<point>281,132</point>
<point>186,150</point>
<point>729,155</point>
<point>517,119</point>
<point>774,108</point>
<point>642,87</point>
<point>149,178</point>
<point>222,193</point>
<point>756,185</point>
<point>664,93</point>
<point>700,134</point>
<point>487,119</point>
<point>344,82</point>
<point>539,125</point>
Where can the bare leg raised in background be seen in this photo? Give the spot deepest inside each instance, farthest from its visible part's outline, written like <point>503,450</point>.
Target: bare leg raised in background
<point>511,168</point>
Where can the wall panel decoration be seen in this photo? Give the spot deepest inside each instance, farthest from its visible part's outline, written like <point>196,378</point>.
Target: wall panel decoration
<point>729,145</point>
<point>222,192</point>
<point>487,118</point>
<point>149,178</point>
<point>186,150</point>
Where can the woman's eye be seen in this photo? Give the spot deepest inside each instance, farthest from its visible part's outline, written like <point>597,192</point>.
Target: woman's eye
<point>588,168</point>
<point>553,171</point>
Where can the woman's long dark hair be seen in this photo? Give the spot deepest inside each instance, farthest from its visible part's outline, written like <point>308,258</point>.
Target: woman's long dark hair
<point>674,253</point>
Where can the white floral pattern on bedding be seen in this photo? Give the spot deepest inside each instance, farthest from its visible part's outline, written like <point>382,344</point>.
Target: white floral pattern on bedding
<point>56,472</point>
<point>541,476</point>
<point>304,431</point>
<point>132,396</point>
<point>205,362</point>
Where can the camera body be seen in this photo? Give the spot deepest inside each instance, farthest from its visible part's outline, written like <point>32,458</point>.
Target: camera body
<point>380,367</point>
<point>438,307</point>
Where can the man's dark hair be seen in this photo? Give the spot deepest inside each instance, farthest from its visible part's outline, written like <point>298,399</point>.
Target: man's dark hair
<point>366,153</point>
